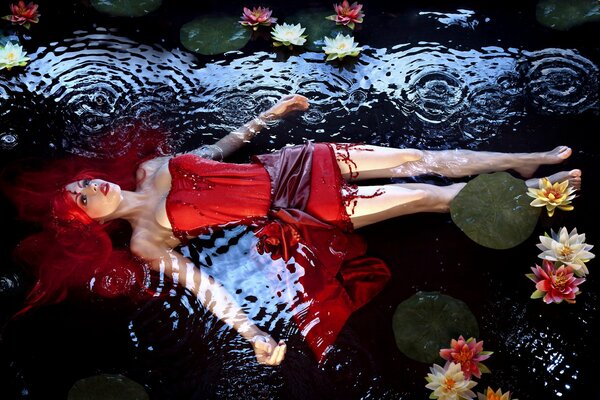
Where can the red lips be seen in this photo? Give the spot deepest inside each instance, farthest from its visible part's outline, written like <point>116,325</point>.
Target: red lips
<point>104,188</point>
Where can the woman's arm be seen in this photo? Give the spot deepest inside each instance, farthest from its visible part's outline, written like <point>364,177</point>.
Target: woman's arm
<point>213,296</point>
<point>235,140</point>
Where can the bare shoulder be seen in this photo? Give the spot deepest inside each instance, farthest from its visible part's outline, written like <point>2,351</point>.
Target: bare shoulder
<point>151,167</point>
<point>145,245</point>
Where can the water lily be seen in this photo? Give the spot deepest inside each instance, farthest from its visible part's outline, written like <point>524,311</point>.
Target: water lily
<point>23,14</point>
<point>347,14</point>
<point>340,47</point>
<point>12,55</point>
<point>554,284</point>
<point>468,354</point>
<point>552,195</point>
<point>567,248</point>
<point>288,35</point>
<point>491,395</point>
<point>258,16</point>
<point>449,383</point>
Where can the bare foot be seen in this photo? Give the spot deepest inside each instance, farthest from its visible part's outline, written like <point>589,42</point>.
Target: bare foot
<point>555,156</point>
<point>573,176</point>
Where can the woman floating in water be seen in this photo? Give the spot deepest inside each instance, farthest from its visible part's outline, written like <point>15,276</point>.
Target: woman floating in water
<point>299,197</point>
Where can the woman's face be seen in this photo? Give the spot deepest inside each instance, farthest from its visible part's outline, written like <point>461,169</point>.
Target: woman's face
<point>98,198</point>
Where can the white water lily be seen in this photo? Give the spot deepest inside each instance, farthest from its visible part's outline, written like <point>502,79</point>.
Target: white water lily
<point>566,248</point>
<point>340,47</point>
<point>12,55</point>
<point>288,35</point>
<point>449,383</point>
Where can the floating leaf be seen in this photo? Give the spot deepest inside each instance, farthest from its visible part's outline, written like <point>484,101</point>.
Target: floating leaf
<point>564,15</point>
<point>427,321</point>
<point>126,8</point>
<point>107,386</point>
<point>211,35</point>
<point>493,210</point>
<point>317,27</point>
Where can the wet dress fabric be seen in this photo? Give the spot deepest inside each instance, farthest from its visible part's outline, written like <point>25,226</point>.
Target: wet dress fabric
<point>293,198</point>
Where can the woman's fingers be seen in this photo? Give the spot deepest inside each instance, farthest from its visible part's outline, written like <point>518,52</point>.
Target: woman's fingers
<point>278,354</point>
<point>270,353</point>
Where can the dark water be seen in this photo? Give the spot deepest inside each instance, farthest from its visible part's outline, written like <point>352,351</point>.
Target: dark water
<point>436,75</point>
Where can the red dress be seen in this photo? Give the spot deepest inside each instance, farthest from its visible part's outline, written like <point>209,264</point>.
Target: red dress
<point>293,196</point>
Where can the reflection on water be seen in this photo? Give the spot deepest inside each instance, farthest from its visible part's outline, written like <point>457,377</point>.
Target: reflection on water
<point>422,94</point>
<point>441,97</point>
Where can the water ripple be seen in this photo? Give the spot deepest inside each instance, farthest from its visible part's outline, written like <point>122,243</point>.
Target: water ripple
<point>560,81</point>
<point>423,94</point>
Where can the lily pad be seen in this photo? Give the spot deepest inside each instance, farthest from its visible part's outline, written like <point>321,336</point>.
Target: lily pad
<point>107,386</point>
<point>209,35</point>
<point>126,8</point>
<point>493,210</point>
<point>317,27</point>
<point>564,15</point>
<point>427,321</point>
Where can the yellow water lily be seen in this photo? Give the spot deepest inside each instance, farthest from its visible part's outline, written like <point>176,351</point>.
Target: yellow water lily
<point>12,55</point>
<point>491,395</point>
<point>552,195</point>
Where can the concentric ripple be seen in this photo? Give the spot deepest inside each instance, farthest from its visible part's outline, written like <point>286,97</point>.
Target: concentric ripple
<point>95,79</point>
<point>560,81</point>
<point>411,95</point>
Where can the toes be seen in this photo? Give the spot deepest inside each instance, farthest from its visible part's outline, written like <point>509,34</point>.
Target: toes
<point>564,152</point>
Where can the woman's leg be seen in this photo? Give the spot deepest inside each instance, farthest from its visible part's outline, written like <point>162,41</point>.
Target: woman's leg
<point>368,162</point>
<point>371,204</point>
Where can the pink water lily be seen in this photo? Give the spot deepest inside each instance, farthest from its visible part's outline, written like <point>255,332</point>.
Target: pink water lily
<point>347,14</point>
<point>469,354</point>
<point>258,16</point>
<point>23,14</point>
<point>555,284</point>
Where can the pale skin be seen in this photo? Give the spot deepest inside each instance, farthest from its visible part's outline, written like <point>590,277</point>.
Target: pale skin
<point>153,240</point>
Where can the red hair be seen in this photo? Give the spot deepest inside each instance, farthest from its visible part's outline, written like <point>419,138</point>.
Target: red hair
<point>73,253</point>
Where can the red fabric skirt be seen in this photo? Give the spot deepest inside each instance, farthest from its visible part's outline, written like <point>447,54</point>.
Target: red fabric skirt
<point>308,210</point>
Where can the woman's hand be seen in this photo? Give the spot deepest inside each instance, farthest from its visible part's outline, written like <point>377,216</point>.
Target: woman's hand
<point>267,351</point>
<point>285,105</point>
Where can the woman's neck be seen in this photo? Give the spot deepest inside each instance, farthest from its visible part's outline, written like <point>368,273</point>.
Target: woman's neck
<point>133,205</point>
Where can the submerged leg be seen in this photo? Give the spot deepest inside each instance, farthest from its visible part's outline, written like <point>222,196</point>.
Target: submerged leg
<point>371,204</point>
<point>368,162</point>
<point>573,176</point>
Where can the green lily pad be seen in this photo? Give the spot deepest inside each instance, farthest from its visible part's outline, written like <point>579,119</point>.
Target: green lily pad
<point>493,210</point>
<point>317,27</point>
<point>564,15</point>
<point>427,321</point>
<point>209,35</point>
<point>107,386</point>
<point>126,8</point>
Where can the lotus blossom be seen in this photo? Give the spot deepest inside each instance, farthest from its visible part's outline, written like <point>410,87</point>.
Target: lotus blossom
<point>23,14</point>
<point>491,395</point>
<point>552,195</point>
<point>12,55</point>
<point>347,14</point>
<point>340,47</point>
<point>449,383</point>
<point>554,284</point>
<point>258,16</point>
<point>566,248</point>
<point>288,35</point>
<point>468,354</point>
